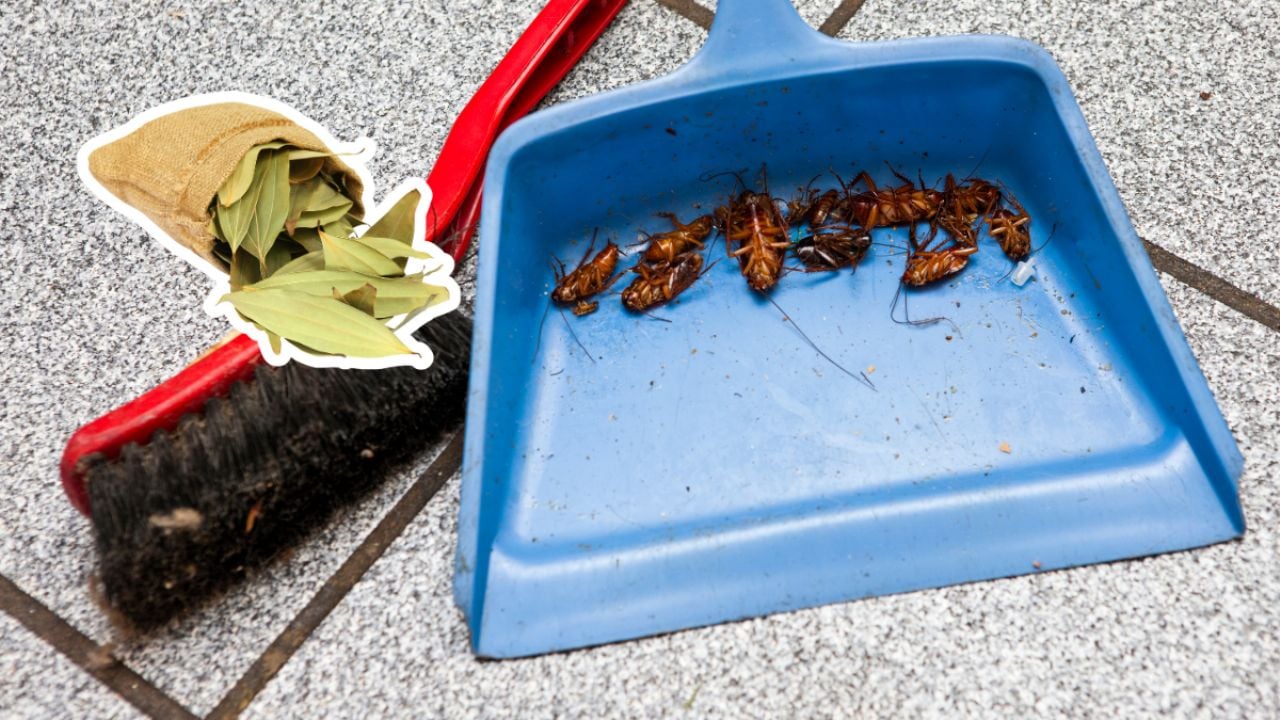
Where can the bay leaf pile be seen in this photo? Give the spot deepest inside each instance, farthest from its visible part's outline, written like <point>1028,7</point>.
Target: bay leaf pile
<point>299,270</point>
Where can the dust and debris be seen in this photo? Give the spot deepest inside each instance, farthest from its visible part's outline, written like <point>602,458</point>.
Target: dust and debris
<point>183,518</point>
<point>1206,95</point>
<point>252,518</point>
<point>1035,564</point>
<point>101,657</point>
<point>367,453</point>
<point>688,704</point>
<point>871,369</point>
<point>1005,448</point>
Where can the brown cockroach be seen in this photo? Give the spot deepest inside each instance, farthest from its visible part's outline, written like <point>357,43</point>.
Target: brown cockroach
<point>1012,230</point>
<point>903,205</point>
<point>814,208</point>
<point>927,264</point>
<point>754,223</point>
<point>831,247</point>
<point>668,246</point>
<point>589,278</point>
<point>963,232</point>
<point>661,283</point>
<point>962,206</point>
<point>972,200</point>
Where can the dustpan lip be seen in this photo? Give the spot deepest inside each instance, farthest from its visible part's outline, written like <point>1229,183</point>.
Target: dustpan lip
<point>1223,464</point>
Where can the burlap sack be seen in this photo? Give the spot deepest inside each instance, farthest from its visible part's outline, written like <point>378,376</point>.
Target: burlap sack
<point>170,168</point>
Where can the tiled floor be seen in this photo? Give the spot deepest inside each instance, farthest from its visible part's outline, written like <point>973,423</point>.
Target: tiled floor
<point>95,313</point>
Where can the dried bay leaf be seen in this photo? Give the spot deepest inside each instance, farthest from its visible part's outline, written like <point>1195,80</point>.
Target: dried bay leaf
<point>397,223</point>
<point>271,206</point>
<point>389,247</point>
<point>235,186</point>
<point>300,196</point>
<point>308,238</point>
<point>304,263</point>
<point>317,218</point>
<point>323,196</point>
<point>347,254</point>
<point>395,296</point>
<point>362,298</point>
<point>306,164</point>
<point>279,256</point>
<point>322,323</point>
<point>341,227</point>
<point>245,270</point>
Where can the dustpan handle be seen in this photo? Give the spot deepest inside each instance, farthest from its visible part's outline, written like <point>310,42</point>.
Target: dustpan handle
<point>749,35</point>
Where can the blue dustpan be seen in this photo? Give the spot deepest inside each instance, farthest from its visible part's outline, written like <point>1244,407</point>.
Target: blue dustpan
<point>716,467</point>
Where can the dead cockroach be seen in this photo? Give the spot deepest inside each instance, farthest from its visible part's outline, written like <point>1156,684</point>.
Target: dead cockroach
<point>929,266</point>
<point>815,208</point>
<point>831,247</point>
<point>753,222</point>
<point>927,263</point>
<point>972,200</point>
<point>668,246</point>
<point>962,206</point>
<point>589,278</point>
<point>1012,230</point>
<point>964,233</point>
<point>661,283</point>
<point>903,205</point>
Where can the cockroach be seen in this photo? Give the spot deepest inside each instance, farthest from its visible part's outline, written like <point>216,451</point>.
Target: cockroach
<point>963,232</point>
<point>814,208</point>
<point>755,224</point>
<point>971,200</point>
<point>1012,230</point>
<point>928,264</point>
<point>587,279</point>
<point>668,246</point>
<point>831,247</point>
<point>962,206</point>
<point>661,283</point>
<point>903,205</point>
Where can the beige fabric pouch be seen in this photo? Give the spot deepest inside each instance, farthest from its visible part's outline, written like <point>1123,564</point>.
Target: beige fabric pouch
<point>170,169</point>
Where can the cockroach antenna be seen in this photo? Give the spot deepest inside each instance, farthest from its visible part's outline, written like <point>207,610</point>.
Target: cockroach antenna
<point>906,313</point>
<point>786,317</point>
<point>712,175</point>
<point>574,334</point>
<point>981,160</point>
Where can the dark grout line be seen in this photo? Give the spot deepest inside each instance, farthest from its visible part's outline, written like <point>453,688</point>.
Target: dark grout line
<point>89,655</point>
<point>1242,301</point>
<point>691,10</point>
<point>393,524</point>
<point>840,17</point>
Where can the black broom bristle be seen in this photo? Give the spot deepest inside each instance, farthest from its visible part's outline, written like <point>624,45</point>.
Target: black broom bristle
<point>181,518</point>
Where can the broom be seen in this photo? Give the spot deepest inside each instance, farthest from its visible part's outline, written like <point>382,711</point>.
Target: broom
<point>220,468</point>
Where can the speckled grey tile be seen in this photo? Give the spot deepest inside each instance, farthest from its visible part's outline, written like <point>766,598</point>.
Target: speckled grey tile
<point>1189,634</point>
<point>645,41</point>
<point>94,312</point>
<point>40,683</point>
<point>1197,173</point>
